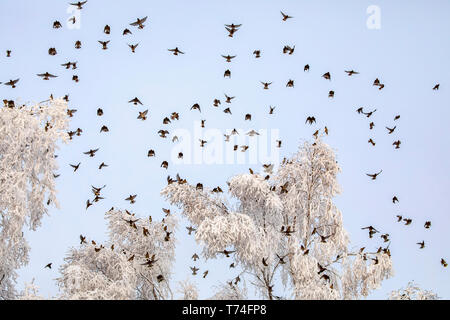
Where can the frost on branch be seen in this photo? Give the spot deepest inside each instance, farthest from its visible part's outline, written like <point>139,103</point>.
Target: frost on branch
<point>188,290</point>
<point>285,225</point>
<point>135,262</point>
<point>413,292</point>
<point>28,140</point>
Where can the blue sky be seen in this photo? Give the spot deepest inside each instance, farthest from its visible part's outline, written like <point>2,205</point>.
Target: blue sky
<point>409,53</point>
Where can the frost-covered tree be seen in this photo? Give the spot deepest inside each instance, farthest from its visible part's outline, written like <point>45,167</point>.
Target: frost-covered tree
<point>134,263</point>
<point>284,225</point>
<point>28,140</point>
<point>413,292</point>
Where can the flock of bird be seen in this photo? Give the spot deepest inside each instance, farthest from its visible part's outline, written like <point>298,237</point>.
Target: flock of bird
<point>139,23</point>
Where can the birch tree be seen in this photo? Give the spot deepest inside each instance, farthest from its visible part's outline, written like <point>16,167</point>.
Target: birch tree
<point>28,141</point>
<point>284,226</point>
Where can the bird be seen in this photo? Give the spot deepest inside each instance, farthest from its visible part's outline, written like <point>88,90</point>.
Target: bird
<point>372,142</point>
<point>427,224</point>
<point>135,101</point>
<point>226,253</point>
<point>331,94</point>
<point>11,83</point>
<point>306,68</point>
<point>271,109</point>
<point>371,229</point>
<point>57,25</point>
<point>151,153</point>
<point>374,175</point>
<point>194,270</point>
<point>91,152</point>
<point>88,204</point>
<point>228,99</point>
<point>310,120</point>
<point>395,199</point>
<point>407,221</point>
<point>107,29</point>
<point>444,263</point>
<point>391,130</point>
<point>79,4</point>
<point>75,167</point>
<point>143,115</point>
<point>99,112</point>
<point>104,44</point>
<point>175,51</point>
<point>46,76</point>
<point>126,31</point>
<point>266,85</point>
<point>264,262</point>
<point>102,165</point>
<point>257,53</point>
<point>131,198</point>
<point>216,102</point>
<point>397,144</point>
<point>369,114</point>
<point>78,44</point>
<point>227,73</point>
<point>196,107</point>
<point>326,76</point>
<point>421,244</point>
<point>48,265</point>
<point>205,274</point>
<point>399,218</point>
<point>190,229</point>
<point>285,16</point>
<point>351,72</point>
<point>228,57</point>
<point>82,239</point>
<point>139,23</point>
<point>436,87</point>
<point>133,47</point>
<point>52,51</point>
<point>290,83</point>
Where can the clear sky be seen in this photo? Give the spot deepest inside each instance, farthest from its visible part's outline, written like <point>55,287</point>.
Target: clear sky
<point>409,53</point>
